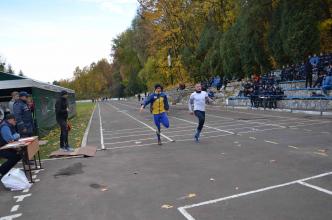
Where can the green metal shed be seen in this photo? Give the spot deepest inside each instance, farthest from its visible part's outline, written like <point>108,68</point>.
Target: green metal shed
<point>44,96</point>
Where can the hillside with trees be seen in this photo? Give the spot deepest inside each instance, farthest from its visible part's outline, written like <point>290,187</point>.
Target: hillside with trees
<point>230,38</point>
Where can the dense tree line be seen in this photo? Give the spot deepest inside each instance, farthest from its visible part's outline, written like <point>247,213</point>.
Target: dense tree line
<point>230,38</point>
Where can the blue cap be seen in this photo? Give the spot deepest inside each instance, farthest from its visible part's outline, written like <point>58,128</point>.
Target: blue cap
<point>23,93</point>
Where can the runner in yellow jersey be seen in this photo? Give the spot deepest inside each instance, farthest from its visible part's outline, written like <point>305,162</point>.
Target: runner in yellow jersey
<point>158,106</point>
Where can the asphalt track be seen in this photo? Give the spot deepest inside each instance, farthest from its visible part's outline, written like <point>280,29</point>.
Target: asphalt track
<point>249,165</point>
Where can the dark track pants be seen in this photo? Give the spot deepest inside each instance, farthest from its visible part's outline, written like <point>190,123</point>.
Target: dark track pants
<point>201,119</point>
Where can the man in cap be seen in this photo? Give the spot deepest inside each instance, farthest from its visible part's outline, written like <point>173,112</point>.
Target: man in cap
<point>8,134</point>
<point>61,111</point>
<point>23,115</point>
<point>158,107</point>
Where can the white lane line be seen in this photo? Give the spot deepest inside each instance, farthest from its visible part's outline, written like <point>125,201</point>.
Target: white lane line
<point>258,130</point>
<point>11,217</point>
<point>229,132</point>
<point>271,142</point>
<point>148,126</point>
<point>183,209</point>
<point>261,115</point>
<point>26,190</point>
<point>21,197</point>
<point>86,133</point>
<point>121,142</point>
<point>250,122</point>
<point>192,134</point>
<point>290,146</point>
<point>125,136</point>
<point>14,208</point>
<point>132,146</point>
<point>315,187</point>
<point>127,129</point>
<point>149,144</point>
<point>101,130</point>
<point>253,138</point>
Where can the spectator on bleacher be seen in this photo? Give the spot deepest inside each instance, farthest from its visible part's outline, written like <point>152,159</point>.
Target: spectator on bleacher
<point>328,68</point>
<point>319,80</point>
<point>308,74</point>
<point>327,83</point>
<point>15,97</point>
<point>314,60</point>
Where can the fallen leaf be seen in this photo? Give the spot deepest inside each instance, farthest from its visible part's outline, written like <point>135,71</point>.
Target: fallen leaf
<point>211,179</point>
<point>191,195</point>
<point>104,189</point>
<point>166,206</point>
<point>322,150</point>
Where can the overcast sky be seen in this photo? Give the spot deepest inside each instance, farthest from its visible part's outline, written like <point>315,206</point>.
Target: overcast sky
<point>47,39</point>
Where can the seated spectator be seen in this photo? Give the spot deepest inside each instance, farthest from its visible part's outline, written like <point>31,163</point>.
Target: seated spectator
<point>327,83</point>
<point>8,134</point>
<point>319,80</point>
<point>328,68</point>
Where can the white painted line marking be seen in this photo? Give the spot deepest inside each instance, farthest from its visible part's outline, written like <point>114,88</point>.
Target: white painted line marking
<point>183,210</point>
<point>132,146</point>
<point>315,187</point>
<point>121,142</point>
<point>125,136</point>
<point>101,130</point>
<point>293,147</point>
<point>36,171</point>
<point>26,190</point>
<point>10,217</point>
<point>14,208</point>
<point>229,132</point>
<point>86,133</point>
<point>148,126</point>
<point>271,142</point>
<point>34,176</point>
<point>37,180</point>
<point>21,197</point>
<point>253,138</point>
<point>123,130</point>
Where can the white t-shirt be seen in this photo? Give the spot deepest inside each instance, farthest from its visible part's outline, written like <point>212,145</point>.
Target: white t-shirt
<point>197,100</point>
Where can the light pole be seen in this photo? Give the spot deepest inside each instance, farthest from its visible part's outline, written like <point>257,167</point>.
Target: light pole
<point>169,62</point>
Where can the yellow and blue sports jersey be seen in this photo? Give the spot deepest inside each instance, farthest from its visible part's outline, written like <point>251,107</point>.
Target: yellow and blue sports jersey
<point>158,103</point>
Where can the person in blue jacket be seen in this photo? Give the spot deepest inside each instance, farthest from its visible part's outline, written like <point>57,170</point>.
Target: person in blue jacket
<point>158,106</point>
<point>8,134</point>
<point>23,115</point>
<point>327,83</point>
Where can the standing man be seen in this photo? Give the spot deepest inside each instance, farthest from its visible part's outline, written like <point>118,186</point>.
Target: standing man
<point>158,107</point>
<point>8,134</point>
<point>15,97</point>
<point>23,115</point>
<point>196,106</point>
<point>61,111</point>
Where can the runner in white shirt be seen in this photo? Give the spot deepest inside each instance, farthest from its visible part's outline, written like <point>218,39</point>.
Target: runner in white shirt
<point>196,106</point>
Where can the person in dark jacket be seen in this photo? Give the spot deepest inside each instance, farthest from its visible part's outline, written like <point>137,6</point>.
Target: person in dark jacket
<point>8,134</point>
<point>308,74</point>
<point>23,116</point>
<point>61,111</point>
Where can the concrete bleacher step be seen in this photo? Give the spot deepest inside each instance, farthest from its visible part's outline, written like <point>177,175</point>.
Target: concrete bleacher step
<point>292,84</point>
<point>305,92</point>
<point>310,104</point>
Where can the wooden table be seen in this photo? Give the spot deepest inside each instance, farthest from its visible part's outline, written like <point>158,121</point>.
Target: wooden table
<point>29,148</point>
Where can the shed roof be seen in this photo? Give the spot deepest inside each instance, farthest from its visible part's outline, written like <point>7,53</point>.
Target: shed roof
<point>9,81</point>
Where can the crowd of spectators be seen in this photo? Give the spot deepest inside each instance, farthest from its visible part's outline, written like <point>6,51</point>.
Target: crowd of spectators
<point>262,91</point>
